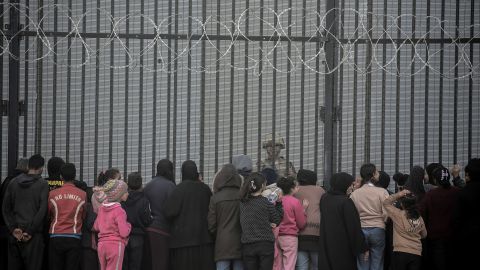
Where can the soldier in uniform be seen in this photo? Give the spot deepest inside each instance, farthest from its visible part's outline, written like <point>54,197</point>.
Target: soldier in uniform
<point>274,160</point>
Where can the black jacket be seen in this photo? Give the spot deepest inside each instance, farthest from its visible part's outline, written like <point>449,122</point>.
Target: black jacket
<point>187,209</point>
<point>3,190</point>
<point>341,237</point>
<point>157,191</point>
<point>137,208</point>
<point>25,203</point>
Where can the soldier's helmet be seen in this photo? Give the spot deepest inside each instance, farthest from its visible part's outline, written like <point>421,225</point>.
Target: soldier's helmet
<point>268,141</point>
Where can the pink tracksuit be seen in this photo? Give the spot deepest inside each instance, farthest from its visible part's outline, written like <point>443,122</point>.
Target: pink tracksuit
<point>113,231</point>
<point>294,220</point>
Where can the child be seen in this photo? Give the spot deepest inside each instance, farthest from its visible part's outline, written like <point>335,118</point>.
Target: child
<point>99,196</point>
<point>137,208</point>
<point>112,226</point>
<point>257,216</point>
<point>408,229</point>
<point>66,209</point>
<point>294,220</point>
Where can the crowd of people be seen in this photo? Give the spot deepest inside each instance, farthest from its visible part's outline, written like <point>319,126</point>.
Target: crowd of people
<point>271,219</point>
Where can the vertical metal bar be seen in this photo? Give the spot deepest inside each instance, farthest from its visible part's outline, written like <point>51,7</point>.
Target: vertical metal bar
<point>13,85</point>
<point>26,78</point>
<point>82,106</point>
<point>97,93</point>
<point>155,92</point>
<point>368,83</point>
<point>470,80</point>
<point>112,63</point>
<point>384,86</point>
<point>397,103</point>
<point>217,87</point>
<point>355,93</point>
<point>69,84</point>
<point>127,63</point>
<point>1,95</point>
<point>340,89</point>
<point>412,85</point>
<point>245,89</point>
<point>302,84</point>
<point>317,94</point>
<point>54,86</point>
<point>260,82</point>
<point>169,77</point>
<point>274,73</point>
<point>289,75</point>
<point>427,81</point>
<point>38,82</point>
<point>455,86</point>
<point>140,102</point>
<point>330,90</point>
<point>175,90</point>
<point>189,76</point>
<point>202,92</point>
<point>232,84</point>
<point>440,111</point>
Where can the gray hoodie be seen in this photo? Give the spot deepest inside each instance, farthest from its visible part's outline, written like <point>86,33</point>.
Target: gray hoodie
<point>25,203</point>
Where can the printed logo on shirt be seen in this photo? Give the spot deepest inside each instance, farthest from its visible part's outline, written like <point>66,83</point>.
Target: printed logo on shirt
<point>67,196</point>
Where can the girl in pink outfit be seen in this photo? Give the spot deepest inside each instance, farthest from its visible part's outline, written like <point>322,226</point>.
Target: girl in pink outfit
<point>294,220</point>
<point>112,226</point>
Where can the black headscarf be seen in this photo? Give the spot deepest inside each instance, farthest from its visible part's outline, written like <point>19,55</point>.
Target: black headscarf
<point>383,180</point>
<point>340,183</point>
<point>189,171</point>
<point>165,169</point>
<point>415,182</point>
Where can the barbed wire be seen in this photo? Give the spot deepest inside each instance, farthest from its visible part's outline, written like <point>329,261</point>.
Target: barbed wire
<point>276,41</point>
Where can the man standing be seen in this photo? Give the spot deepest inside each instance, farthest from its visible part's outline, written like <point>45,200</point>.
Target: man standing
<point>274,160</point>
<point>24,209</point>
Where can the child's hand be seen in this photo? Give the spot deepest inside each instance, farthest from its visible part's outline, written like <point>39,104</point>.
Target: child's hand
<point>305,203</point>
<point>366,255</point>
<point>273,225</point>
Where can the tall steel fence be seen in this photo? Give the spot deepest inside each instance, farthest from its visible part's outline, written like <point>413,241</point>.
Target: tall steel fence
<point>127,83</point>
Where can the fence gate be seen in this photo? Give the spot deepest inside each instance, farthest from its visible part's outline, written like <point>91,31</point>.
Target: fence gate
<point>126,83</point>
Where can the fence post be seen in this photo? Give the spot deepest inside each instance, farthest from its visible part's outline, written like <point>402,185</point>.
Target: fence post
<point>330,127</point>
<point>13,85</point>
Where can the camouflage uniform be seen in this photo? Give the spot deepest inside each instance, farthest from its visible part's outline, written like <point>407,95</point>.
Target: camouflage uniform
<point>280,164</point>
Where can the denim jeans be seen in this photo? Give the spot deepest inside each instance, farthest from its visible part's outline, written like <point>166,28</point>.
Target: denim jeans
<point>226,265</point>
<point>307,260</point>
<point>375,238</point>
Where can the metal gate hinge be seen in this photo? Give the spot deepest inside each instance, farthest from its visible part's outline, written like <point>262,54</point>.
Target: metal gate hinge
<point>22,108</point>
<point>336,115</point>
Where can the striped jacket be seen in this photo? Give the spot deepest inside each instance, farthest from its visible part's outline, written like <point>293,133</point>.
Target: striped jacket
<point>66,209</point>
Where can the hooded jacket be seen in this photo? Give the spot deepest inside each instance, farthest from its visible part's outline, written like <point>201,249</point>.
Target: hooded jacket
<point>111,223</point>
<point>224,214</point>
<point>187,209</point>
<point>25,203</point>
<point>137,208</point>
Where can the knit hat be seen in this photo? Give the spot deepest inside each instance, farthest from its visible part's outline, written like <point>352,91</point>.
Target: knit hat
<point>243,164</point>
<point>114,189</point>
<point>270,174</point>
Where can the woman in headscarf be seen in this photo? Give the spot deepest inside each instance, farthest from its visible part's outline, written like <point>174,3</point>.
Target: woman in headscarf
<point>191,245</point>
<point>341,237</point>
<point>224,218</point>
<point>157,191</point>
